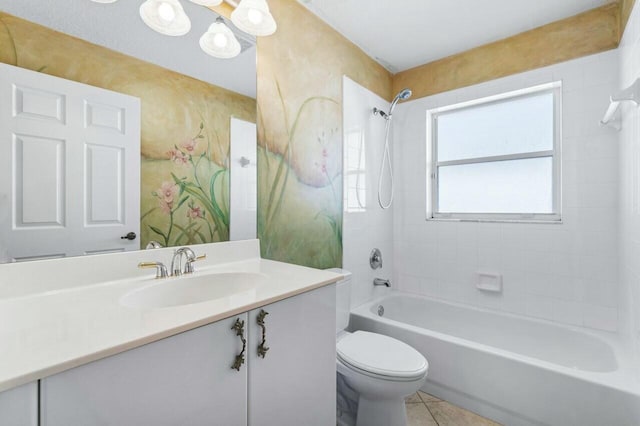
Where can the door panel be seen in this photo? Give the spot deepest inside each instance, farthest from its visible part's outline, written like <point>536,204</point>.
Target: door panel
<point>69,166</point>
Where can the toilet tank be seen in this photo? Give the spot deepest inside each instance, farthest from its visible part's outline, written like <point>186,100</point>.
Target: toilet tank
<point>343,299</point>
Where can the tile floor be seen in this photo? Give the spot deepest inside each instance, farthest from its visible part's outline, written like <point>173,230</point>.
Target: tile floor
<point>427,410</point>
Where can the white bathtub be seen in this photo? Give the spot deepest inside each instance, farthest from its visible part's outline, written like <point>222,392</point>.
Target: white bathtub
<point>515,370</point>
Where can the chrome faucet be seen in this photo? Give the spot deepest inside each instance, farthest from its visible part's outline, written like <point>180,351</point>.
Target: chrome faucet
<point>176,264</point>
<point>176,267</point>
<point>380,281</point>
<point>153,245</point>
<point>190,256</point>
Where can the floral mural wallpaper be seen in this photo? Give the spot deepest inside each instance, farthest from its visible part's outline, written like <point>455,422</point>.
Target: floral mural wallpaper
<point>300,71</point>
<point>185,128</point>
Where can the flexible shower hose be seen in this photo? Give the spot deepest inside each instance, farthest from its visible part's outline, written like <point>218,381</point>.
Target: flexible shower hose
<point>386,157</point>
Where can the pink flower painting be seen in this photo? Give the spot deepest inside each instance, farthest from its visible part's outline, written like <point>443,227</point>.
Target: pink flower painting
<point>189,145</point>
<point>194,212</point>
<point>166,196</point>
<point>178,157</point>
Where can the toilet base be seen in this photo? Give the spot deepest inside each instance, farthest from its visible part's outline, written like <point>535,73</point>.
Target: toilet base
<point>389,412</point>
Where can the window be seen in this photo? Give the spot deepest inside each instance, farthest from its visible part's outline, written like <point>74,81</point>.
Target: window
<point>355,179</point>
<point>496,158</point>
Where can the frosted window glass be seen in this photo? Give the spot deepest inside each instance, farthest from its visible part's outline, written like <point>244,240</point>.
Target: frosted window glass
<point>515,186</point>
<point>508,127</point>
<point>355,171</point>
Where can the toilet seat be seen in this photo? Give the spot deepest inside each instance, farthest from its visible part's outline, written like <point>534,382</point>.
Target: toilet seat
<point>380,355</point>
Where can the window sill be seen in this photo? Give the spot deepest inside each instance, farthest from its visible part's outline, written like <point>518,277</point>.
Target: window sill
<point>524,221</point>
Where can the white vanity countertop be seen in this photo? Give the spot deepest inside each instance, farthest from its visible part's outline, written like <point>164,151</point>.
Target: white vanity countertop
<point>46,332</point>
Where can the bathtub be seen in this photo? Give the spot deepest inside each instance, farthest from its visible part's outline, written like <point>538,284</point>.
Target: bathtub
<point>512,369</point>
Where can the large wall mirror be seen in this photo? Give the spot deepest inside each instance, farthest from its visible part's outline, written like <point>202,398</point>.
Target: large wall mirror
<point>110,129</point>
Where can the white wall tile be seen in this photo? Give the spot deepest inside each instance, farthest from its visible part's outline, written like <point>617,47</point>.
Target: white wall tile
<point>600,317</point>
<point>629,183</point>
<point>373,228</point>
<point>567,312</point>
<point>565,273</point>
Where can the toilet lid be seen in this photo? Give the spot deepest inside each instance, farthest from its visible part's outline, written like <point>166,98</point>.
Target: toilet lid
<point>381,355</point>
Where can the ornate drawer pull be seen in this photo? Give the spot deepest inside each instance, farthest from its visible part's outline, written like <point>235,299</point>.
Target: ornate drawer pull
<point>262,347</point>
<point>238,327</point>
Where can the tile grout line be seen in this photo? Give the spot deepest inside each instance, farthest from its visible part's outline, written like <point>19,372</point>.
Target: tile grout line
<point>432,416</point>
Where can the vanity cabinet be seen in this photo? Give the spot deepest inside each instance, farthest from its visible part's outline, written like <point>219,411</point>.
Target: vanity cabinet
<point>186,379</point>
<point>19,406</point>
<point>295,383</point>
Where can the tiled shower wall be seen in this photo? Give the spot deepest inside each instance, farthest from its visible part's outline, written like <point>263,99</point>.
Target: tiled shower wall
<point>365,225</point>
<point>630,180</point>
<point>561,272</point>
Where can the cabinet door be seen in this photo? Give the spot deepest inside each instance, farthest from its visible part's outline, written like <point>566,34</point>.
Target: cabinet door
<point>185,380</point>
<point>19,406</point>
<point>295,383</point>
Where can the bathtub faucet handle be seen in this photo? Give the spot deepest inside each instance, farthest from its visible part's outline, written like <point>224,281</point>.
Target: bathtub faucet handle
<point>375,259</point>
<point>380,281</point>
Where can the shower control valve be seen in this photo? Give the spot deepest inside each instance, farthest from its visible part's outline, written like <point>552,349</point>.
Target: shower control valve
<point>375,259</point>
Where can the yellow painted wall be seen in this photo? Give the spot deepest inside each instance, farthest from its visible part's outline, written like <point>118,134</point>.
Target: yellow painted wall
<point>626,6</point>
<point>588,33</point>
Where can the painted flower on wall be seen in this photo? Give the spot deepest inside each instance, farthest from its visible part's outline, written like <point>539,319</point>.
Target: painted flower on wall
<point>195,212</point>
<point>178,156</point>
<point>190,145</point>
<point>166,195</point>
<point>196,203</point>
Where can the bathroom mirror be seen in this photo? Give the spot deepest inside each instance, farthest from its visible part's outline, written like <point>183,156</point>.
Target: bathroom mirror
<point>61,192</point>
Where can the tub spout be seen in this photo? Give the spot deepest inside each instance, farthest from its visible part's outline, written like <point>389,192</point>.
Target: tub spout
<point>380,281</point>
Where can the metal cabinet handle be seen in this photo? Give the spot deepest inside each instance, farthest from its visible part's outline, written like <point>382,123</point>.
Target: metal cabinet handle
<point>130,236</point>
<point>262,347</point>
<point>238,327</point>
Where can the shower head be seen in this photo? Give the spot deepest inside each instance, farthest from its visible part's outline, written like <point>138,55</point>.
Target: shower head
<point>403,95</point>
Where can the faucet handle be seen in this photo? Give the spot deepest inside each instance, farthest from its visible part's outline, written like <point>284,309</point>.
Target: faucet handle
<point>161,270</point>
<point>188,266</point>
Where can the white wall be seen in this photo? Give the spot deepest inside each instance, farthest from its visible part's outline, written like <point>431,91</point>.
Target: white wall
<point>373,226</point>
<point>630,181</point>
<point>566,273</point>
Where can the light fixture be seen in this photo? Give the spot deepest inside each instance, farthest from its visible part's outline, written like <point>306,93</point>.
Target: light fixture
<point>166,17</point>
<point>254,17</point>
<point>219,41</point>
<point>250,16</point>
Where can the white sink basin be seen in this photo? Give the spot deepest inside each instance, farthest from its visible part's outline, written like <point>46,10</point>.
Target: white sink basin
<point>167,292</point>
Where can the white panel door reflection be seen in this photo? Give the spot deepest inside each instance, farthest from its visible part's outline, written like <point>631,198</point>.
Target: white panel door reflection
<point>69,164</point>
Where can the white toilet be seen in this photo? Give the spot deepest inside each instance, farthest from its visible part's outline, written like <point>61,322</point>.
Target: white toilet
<point>376,372</point>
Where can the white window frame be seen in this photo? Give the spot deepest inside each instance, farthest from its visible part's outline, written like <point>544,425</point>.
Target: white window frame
<point>433,165</point>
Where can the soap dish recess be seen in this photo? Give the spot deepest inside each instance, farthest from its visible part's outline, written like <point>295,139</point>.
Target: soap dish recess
<point>489,281</point>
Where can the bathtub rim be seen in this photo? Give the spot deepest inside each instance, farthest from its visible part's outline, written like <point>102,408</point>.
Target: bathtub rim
<point>625,377</point>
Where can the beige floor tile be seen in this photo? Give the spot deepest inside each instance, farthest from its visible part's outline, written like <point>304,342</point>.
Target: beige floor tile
<point>428,398</point>
<point>413,399</point>
<point>419,415</point>
<point>449,415</point>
